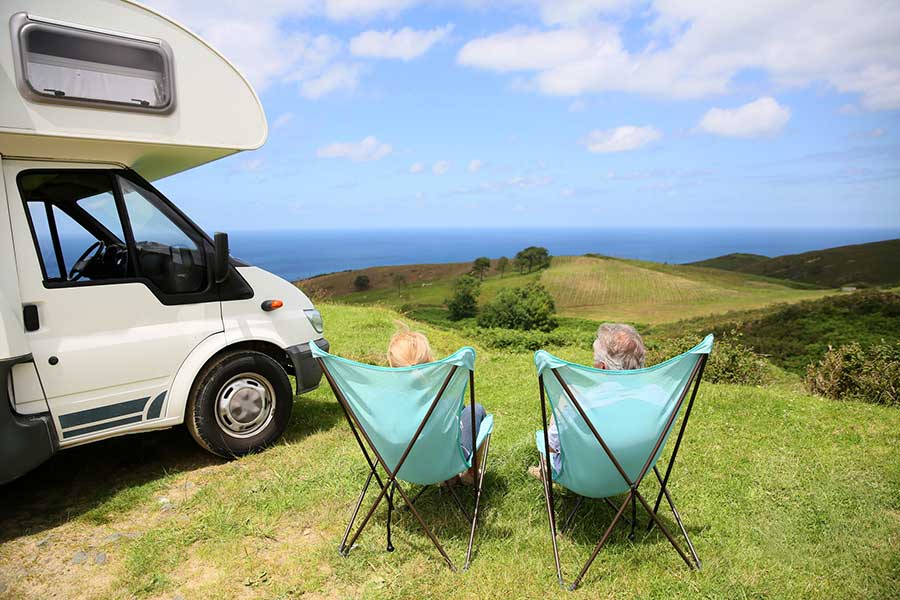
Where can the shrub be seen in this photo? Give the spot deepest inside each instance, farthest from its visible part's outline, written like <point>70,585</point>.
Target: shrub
<point>464,301</point>
<point>526,308</point>
<point>869,374</point>
<point>729,362</point>
<point>361,283</point>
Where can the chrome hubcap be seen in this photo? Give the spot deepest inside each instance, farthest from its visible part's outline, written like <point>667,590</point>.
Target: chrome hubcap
<point>245,405</point>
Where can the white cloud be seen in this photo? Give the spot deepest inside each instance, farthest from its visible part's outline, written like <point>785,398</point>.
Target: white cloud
<point>760,118</point>
<point>416,167</point>
<point>440,167</point>
<point>256,38</point>
<point>339,76</point>
<point>577,105</point>
<point>405,44</point>
<point>475,165</point>
<point>695,49</point>
<point>249,164</point>
<point>521,49</point>
<point>570,11</point>
<point>282,120</point>
<point>848,109</point>
<point>367,149</point>
<point>620,139</point>
<point>341,10</point>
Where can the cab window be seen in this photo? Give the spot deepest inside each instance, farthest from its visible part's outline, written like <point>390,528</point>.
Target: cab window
<point>76,225</point>
<point>106,226</point>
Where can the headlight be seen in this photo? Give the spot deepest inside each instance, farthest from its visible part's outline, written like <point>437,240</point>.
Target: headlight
<point>315,319</point>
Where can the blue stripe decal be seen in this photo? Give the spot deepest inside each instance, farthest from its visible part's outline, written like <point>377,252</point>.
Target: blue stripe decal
<point>103,412</point>
<point>156,407</point>
<point>77,432</point>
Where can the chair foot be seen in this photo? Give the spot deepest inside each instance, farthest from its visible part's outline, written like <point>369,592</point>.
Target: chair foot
<point>390,548</point>
<point>572,587</point>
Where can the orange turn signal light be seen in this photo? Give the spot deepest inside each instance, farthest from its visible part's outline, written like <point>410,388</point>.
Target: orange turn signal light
<point>270,305</point>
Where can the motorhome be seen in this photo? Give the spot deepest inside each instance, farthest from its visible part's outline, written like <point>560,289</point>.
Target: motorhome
<point>118,314</point>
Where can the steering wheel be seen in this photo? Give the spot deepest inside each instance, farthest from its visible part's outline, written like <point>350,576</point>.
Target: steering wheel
<point>93,251</point>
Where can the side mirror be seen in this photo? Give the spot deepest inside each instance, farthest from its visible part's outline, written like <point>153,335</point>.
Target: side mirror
<point>221,257</point>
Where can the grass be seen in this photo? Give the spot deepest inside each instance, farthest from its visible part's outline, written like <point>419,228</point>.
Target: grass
<point>785,495</point>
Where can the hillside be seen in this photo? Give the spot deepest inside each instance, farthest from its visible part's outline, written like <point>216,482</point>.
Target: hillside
<point>731,262</point>
<point>792,336</point>
<point>875,263</point>
<point>590,287</point>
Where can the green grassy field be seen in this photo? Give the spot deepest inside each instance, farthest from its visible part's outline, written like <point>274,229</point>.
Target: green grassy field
<point>786,495</point>
<point>600,288</point>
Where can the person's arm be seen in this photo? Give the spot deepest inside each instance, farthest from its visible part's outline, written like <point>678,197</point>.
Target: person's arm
<point>553,436</point>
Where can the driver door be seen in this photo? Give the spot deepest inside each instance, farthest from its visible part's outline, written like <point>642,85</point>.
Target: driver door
<point>115,318</point>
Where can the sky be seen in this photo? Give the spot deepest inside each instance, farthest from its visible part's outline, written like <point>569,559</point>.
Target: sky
<point>556,113</point>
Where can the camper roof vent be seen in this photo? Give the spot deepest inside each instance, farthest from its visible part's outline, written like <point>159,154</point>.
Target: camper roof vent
<point>60,62</point>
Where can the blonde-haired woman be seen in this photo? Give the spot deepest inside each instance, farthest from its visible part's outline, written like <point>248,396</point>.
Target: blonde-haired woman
<point>408,348</point>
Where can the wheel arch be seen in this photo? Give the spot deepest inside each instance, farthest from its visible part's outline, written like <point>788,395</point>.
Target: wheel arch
<point>208,351</point>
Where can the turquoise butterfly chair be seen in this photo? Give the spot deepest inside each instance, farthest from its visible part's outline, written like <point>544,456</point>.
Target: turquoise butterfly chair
<point>612,427</point>
<point>409,418</point>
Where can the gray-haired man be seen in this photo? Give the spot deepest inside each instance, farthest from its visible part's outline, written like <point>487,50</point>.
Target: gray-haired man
<point>618,347</point>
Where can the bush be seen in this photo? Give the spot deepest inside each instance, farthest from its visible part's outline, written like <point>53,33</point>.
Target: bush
<point>869,374</point>
<point>464,301</point>
<point>525,308</point>
<point>361,283</point>
<point>729,362</point>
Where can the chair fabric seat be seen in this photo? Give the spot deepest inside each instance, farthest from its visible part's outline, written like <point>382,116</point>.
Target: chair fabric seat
<point>390,404</point>
<point>629,409</point>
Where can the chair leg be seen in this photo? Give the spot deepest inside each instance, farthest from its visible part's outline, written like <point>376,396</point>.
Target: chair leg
<point>459,505</point>
<point>602,541</point>
<point>390,546</point>
<point>568,522</point>
<point>481,471</point>
<point>665,531</point>
<point>548,492</point>
<point>681,526</point>
<point>633,517</point>
<point>425,528</point>
<point>342,549</point>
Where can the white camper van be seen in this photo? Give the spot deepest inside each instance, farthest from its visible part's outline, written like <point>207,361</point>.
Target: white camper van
<point>118,314</point>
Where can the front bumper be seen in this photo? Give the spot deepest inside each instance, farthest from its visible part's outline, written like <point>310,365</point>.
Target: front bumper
<point>306,368</point>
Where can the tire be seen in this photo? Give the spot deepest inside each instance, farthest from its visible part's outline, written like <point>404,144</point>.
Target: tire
<point>241,402</point>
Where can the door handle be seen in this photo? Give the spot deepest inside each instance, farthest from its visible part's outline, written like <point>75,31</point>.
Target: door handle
<point>31,318</point>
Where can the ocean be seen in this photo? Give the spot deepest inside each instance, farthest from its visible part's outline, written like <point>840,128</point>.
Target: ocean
<point>298,254</point>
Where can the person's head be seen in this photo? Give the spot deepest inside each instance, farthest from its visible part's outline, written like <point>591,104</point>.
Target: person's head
<point>618,347</point>
<point>408,348</point>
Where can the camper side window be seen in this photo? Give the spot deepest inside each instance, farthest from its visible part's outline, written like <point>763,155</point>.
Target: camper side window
<point>76,225</point>
<point>66,64</point>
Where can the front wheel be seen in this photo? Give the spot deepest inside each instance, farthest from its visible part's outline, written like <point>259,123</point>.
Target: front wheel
<point>241,402</point>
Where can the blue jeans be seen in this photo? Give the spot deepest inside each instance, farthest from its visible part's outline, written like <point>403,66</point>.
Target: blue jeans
<point>465,423</point>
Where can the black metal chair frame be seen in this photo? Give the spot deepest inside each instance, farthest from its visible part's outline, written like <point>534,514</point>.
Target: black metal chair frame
<point>633,494</point>
<point>391,485</point>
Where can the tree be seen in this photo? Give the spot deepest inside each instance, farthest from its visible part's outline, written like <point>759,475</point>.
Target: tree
<point>529,307</point>
<point>361,283</point>
<point>464,301</point>
<point>532,257</point>
<point>399,280</point>
<point>480,266</point>
<point>502,264</point>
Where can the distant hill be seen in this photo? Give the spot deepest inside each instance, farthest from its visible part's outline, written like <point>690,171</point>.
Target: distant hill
<point>587,287</point>
<point>731,262</point>
<point>875,263</point>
